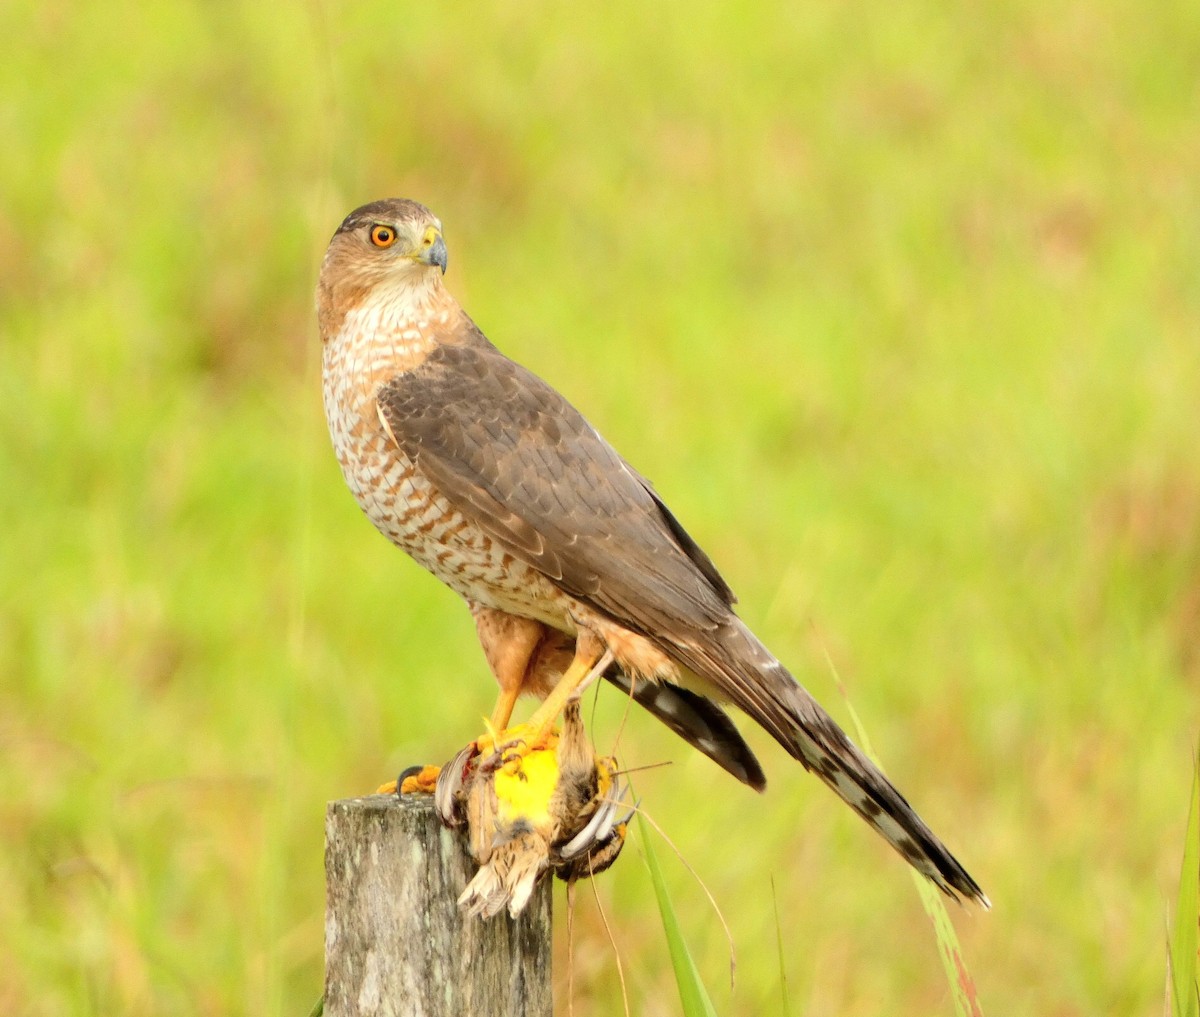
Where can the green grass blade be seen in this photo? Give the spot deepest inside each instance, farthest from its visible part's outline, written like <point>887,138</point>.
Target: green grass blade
<point>692,993</point>
<point>962,985</point>
<point>783,986</point>
<point>1186,933</point>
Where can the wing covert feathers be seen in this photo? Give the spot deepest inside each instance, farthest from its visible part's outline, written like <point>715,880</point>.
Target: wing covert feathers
<point>498,441</point>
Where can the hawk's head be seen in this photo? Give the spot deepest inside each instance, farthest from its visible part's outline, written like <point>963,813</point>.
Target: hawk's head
<point>394,243</point>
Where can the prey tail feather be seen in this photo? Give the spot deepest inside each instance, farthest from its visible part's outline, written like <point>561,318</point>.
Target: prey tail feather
<point>764,689</point>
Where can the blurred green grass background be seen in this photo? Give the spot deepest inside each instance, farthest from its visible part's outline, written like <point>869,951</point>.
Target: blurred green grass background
<point>899,307</point>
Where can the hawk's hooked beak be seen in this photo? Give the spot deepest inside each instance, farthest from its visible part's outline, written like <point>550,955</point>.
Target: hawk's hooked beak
<point>433,249</point>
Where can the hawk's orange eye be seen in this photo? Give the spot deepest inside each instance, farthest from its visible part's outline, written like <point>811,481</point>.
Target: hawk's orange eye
<point>383,236</point>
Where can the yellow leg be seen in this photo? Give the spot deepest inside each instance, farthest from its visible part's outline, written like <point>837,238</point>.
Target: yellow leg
<point>591,659</point>
<point>502,714</point>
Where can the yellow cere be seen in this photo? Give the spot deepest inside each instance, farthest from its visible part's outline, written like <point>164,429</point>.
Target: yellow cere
<point>524,791</point>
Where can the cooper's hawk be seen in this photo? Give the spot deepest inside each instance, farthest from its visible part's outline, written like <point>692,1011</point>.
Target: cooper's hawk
<point>571,563</point>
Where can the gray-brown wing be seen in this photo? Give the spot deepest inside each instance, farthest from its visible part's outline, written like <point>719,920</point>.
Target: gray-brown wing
<point>525,466</point>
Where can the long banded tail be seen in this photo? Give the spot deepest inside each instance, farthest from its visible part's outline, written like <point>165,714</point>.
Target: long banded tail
<point>764,689</point>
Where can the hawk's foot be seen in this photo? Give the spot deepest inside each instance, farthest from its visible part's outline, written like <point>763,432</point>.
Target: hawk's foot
<point>414,780</point>
<point>532,803</point>
<point>519,740</point>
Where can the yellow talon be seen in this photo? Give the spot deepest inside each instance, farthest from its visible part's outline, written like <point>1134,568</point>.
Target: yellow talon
<point>416,780</point>
<point>423,782</point>
<point>486,743</point>
<point>534,800</point>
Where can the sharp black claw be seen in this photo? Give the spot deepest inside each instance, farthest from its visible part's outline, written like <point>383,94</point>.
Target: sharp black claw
<point>411,771</point>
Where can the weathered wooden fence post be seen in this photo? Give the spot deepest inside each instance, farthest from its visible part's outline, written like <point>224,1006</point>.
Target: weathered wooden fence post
<point>396,944</point>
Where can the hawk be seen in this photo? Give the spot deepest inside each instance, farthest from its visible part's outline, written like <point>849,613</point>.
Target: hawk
<point>570,562</point>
